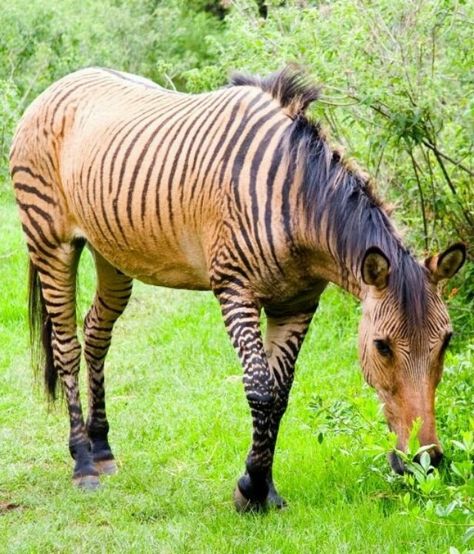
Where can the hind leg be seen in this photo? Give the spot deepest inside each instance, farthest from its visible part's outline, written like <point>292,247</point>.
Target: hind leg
<point>56,268</point>
<point>112,295</point>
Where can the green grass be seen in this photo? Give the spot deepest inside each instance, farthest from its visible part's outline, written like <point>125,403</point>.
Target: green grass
<point>180,429</point>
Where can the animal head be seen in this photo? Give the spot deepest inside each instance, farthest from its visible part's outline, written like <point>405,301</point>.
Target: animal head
<point>403,338</point>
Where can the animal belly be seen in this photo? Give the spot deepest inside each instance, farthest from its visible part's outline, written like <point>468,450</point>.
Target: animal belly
<point>164,262</point>
<point>177,276</point>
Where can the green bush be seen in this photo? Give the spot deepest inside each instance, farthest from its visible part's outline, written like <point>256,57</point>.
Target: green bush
<point>443,496</point>
<point>397,92</point>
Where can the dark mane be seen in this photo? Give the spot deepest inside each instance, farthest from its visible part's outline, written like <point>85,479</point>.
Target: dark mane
<point>334,191</point>
<point>290,87</point>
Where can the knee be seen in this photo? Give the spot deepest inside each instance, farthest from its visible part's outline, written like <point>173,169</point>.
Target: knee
<point>260,391</point>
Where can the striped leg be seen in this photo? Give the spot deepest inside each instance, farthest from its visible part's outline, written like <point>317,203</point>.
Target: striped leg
<point>284,337</point>
<point>112,295</point>
<point>242,322</point>
<point>57,275</point>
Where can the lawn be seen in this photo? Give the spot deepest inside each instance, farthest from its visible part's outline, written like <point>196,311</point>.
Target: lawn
<point>180,429</point>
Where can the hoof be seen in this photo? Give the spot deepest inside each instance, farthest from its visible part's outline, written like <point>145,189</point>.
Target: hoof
<point>106,467</point>
<point>86,482</point>
<point>244,505</point>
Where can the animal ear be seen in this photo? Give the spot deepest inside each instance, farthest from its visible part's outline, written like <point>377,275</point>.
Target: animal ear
<point>375,268</point>
<point>445,265</point>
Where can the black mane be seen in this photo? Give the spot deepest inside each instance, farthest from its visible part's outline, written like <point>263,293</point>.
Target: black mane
<point>356,218</point>
<point>290,87</point>
<point>334,191</point>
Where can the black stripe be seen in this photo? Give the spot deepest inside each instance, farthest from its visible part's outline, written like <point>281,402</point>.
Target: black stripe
<point>107,307</point>
<point>132,125</point>
<point>57,103</point>
<point>286,211</point>
<point>151,167</point>
<point>272,172</point>
<point>148,119</point>
<point>239,161</point>
<point>212,157</point>
<point>254,200</point>
<point>237,135</point>
<point>203,107</point>
<point>205,140</point>
<point>22,168</point>
<point>240,253</point>
<point>41,234</point>
<point>35,191</point>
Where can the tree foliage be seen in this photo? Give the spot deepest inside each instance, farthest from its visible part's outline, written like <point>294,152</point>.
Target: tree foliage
<point>43,41</point>
<point>398,94</point>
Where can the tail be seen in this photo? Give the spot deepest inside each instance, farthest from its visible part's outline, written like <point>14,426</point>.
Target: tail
<point>41,331</point>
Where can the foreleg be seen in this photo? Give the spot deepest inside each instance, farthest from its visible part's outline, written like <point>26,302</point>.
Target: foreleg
<point>241,317</point>
<point>284,337</point>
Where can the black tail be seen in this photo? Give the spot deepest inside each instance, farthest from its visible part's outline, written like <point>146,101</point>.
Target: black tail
<point>41,334</point>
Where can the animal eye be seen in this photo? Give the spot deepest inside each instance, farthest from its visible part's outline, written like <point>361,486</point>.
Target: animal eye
<point>446,341</point>
<point>383,347</point>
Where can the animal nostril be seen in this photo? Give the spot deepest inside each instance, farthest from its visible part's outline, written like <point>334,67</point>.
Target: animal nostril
<point>436,455</point>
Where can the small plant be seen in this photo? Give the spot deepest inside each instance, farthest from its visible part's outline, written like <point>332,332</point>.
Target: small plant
<point>443,496</point>
<point>335,418</point>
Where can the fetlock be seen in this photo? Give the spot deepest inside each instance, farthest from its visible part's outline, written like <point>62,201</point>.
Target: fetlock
<point>254,488</point>
<point>98,435</point>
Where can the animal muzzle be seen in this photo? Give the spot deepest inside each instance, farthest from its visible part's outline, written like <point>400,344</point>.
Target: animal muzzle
<point>436,455</point>
<point>401,419</point>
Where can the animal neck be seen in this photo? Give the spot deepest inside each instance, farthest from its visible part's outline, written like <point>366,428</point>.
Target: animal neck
<point>341,216</point>
<point>322,264</point>
<point>331,269</point>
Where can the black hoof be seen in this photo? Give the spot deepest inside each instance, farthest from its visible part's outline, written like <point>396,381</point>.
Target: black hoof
<point>85,476</point>
<point>244,505</point>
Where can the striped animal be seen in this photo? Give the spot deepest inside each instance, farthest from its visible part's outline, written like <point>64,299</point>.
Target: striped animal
<point>233,191</point>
